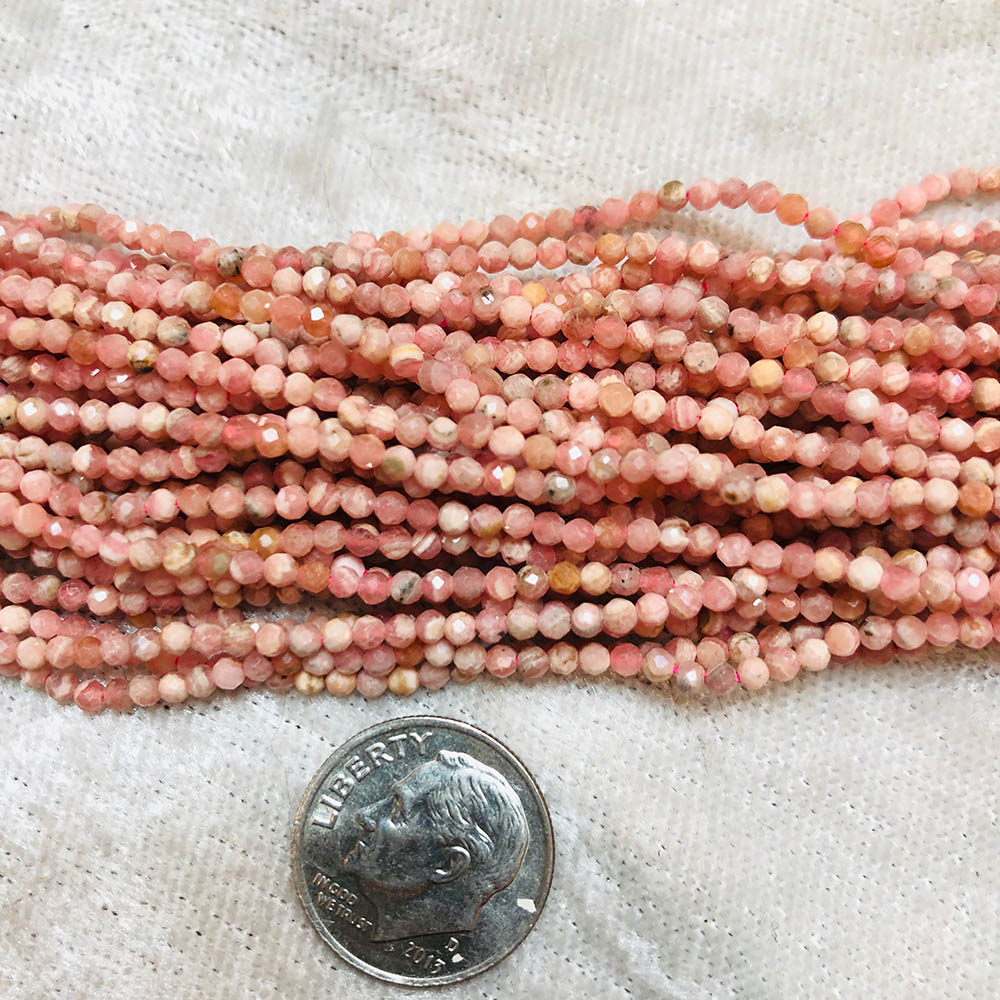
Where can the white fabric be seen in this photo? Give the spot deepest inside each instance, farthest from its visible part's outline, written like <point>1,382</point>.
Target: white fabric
<point>836,837</point>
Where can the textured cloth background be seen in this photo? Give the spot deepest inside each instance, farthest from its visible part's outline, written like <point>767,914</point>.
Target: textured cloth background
<point>837,837</point>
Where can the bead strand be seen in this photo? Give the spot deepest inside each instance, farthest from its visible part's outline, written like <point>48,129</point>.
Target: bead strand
<point>695,464</point>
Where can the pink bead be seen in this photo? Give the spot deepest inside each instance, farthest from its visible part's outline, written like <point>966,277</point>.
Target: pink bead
<point>909,632</point>
<point>368,632</point>
<point>227,674</point>
<point>501,661</point>
<point>898,583</point>
<point>370,686</point>
<point>783,664</point>
<point>763,197</point>
<point>842,639</point>
<point>733,192</point>
<point>942,630</point>
<point>703,194</point>
<point>972,585</point>
<point>89,695</point>
<point>722,679</point>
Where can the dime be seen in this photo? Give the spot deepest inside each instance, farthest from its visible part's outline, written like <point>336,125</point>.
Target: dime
<point>422,851</point>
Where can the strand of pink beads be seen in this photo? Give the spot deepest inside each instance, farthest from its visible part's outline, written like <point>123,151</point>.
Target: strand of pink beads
<point>554,444</point>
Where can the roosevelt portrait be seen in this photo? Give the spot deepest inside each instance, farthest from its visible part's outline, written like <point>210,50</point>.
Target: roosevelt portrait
<point>449,835</point>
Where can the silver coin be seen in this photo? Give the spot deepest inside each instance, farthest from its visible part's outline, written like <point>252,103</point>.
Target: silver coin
<point>422,851</point>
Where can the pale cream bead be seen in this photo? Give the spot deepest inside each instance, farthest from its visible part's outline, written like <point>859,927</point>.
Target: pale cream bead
<point>821,328</point>
<point>712,312</point>
<point>939,264</point>
<point>729,405</point>
<point>442,432</point>
<point>956,435</point>
<point>986,394</point>
<point>352,413</point>
<point>69,215</point>
<point>146,648</point>
<point>8,410</point>
<point>906,492</point>
<point>864,574</point>
<point>814,654</point>
<point>688,578</point>
<point>404,681</point>
<point>143,324</point>
<point>765,375</point>
<point>31,653</point>
<point>658,666</point>
<point>314,283</point>
<point>453,518</point>
<point>62,302</point>
<point>911,559</point>
<point>840,500</point>
<point>853,331</point>
<point>794,274</point>
<point>942,464</point>
<point>470,658</point>
<point>977,470</point>
<point>742,645</point>
<point>298,389</point>
<point>715,422</point>
<point>862,405</point>
<point>895,378</point>
<point>460,628</point>
<point>175,637</point>
<point>702,256</point>
<point>336,635</point>
<point>340,685</point>
<point>116,316</point>
<point>749,583</point>
<point>562,659</point>
<point>287,281</point>
<point>198,297</point>
<point>704,471</point>
<point>595,579</point>
<point>15,619</point>
<point>648,406</point>
<point>827,566</point>
<point>439,653</point>
<point>831,367</point>
<point>760,270</point>
<point>199,682</point>
<point>434,630</point>
<point>173,690</point>
<point>308,684</point>
<point>153,419</point>
<point>142,555</point>
<point>771,493</point>
<point>980,557</point>
<point>594,659</point>
<point>522,623</point>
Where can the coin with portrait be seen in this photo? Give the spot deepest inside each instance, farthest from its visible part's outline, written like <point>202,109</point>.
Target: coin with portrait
<point>422,851</point>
